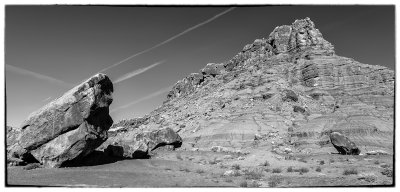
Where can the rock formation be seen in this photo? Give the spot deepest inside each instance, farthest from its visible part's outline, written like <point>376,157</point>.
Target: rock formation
<point>138,143</point>
<point>289,88</point>
<point>343,144</point>
<point>69,127</point>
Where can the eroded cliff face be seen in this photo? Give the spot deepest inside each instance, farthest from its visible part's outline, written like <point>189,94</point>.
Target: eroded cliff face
<point>289,90</point>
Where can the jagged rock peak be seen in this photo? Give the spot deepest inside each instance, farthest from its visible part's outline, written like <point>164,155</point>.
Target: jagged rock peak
<point>299,40</point>
<point>301,35</point>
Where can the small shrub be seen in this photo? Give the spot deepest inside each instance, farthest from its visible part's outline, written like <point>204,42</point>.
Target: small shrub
<point>331,160</point>
<point>275,181</point>
<point>236,173</point>
<point>228,180</point>
<point>254,174</point>
<point>368,178</point>
<point>385,166</point>
<point>243,184</point>
<point>254,184</point>
<point>289,169</point>
<point>351,171</point>
<point>236,166</point>
<point>387,172</point>
<point>199,171</point>
<point>184,169</point>
<point>322,162</point>
<point>265,164</point>
<point>303,160</point>
<point>213,161</point>
<point>376,162</point>
<point>303,170</point>
<point>318,169</point>
<point>276,170</point>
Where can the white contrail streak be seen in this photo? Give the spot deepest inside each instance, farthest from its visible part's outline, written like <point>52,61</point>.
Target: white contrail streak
<point>36,75</point>
<point>170,39</point>
<point>136,72</point>
<point>161,91</point>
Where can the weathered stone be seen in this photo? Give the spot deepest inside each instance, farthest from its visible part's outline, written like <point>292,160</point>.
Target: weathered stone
<point>69,127</point>
<point>138,144</point>
<point>212,69</point>
<point>343,144</point>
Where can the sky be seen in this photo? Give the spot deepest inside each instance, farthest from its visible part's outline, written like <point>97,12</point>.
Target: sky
<point>146,50</point>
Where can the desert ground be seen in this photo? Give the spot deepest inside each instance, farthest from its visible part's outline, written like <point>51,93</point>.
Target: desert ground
<point>215,169</point>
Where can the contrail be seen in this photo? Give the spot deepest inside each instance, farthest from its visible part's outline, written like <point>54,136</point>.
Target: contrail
<point>137,72</point>
<point>170,39</point>
<point>163,90</point>
<point>36,75</point>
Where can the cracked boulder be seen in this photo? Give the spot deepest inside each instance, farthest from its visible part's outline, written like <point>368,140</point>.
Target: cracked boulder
<point>139,144</point>
<point>343,144</point>
<point>69,127</point>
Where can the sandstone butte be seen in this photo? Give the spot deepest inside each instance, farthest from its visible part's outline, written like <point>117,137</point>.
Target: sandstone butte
<point>284,93</point>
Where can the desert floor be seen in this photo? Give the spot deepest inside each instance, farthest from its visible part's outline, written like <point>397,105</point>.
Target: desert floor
<point>212,169</point>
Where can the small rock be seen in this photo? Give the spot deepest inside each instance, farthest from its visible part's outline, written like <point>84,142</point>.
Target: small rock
<point>240,158</point>
<point>228,157</point>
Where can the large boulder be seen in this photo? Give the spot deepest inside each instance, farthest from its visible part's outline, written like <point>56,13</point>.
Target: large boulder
<point>139,144</point>
<point>343,144</point>
<point>69,127</point>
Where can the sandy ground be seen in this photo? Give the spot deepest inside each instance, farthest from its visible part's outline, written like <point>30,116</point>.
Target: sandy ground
<point>206,169</point>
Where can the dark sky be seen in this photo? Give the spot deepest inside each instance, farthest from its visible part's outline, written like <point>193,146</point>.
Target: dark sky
<point>50,49</point>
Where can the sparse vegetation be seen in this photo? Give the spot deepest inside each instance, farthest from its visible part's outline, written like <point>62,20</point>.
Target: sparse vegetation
<point>254,174</point>
<point>304,170</point>
<point>228,180</point>
<point>243,184</point>
<point>387,172</point>
<point>331,160</point>
<point>289,169</point>
<point>254,184</point>
<point>275,181</point>
<point>376,162</point>
<point>318,169</point>
<point>303,160</point>
<point>322,162</point>
<point>276,170</point>
<point>368,178</point>
<point>265,164</point>
<point>385,165</point>
<point>199,171</point>
<point>236,166</point>
<point>351,171</point>
<point>184,169</point>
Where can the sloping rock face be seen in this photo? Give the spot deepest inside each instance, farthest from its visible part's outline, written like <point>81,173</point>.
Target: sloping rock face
<point>291,89</point>
<point>138,143</point>
<point>69,127</point>
<point>343,144</point>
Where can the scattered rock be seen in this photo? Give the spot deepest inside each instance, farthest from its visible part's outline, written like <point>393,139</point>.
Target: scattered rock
<point>343,144</point>
<point>377,152</point>
<point>219,149</point>
<point>240,158</point>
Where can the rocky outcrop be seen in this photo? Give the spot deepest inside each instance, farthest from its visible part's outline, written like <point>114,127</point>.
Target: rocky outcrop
<point>343,144</point>
<point>291,89</point>
<point>138,144</point>
<point>301,39</point>
<point>69,127</point>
